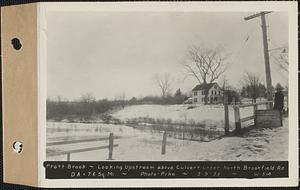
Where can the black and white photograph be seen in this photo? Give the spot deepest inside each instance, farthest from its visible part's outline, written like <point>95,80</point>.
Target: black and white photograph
<point>167,86</point>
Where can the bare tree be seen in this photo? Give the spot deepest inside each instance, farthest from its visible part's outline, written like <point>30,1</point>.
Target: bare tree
<point>251,82</point>
<point>121,99</point>
<point>58,99</point>
<point>224,83</point>
<point>163,81</point>
<point>205,65</point>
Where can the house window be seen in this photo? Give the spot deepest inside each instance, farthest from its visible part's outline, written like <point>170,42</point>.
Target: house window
<point>211,99</point>
<point>195,93</point>
<point>216,99</point>
<point>195,99</point>
<point>219,92</point>
<point>215,92</point>
<point>202,92</point>
<point>212,92</point>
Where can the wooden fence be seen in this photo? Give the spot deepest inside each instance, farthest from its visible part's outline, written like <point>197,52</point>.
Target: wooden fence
<point>110,146</point>
<point>237,117</point>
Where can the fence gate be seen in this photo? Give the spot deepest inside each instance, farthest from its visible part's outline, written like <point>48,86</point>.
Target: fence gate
<point>262,118</point>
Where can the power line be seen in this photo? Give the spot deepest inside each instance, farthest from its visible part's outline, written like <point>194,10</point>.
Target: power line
<point>262,15</point>
<point>279,63</point>
<point>279,48</point>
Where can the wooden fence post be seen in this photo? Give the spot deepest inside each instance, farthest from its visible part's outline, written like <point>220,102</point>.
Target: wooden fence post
<point>287,104</point>
<point>68,156</point>
<point>237,119</point>
<point>110,146</point>
<point>164,143</point>
<point>271,105</point>
<point>226,113</point>
<point>254,108</point>
<point>254,113</point>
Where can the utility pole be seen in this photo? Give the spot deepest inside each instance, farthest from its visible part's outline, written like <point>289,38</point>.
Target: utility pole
<point>266,52</point>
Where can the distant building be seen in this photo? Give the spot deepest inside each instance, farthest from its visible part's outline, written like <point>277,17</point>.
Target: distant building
<point>215,94</point>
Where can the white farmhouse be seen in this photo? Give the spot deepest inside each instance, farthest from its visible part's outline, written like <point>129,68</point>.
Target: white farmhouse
<point>215,94</point>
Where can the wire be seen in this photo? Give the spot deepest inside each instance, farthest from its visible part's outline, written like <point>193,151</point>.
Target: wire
<point>278,63</point>
<point>275,45</point>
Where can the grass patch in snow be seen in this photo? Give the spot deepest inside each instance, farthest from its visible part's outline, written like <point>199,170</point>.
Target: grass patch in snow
<point>190,130</point>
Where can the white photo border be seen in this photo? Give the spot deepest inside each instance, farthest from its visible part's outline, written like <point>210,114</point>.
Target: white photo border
<point>289,7</point>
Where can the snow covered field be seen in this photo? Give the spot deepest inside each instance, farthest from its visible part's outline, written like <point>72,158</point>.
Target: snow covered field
<point>256,144</point>
<point>210,115</point>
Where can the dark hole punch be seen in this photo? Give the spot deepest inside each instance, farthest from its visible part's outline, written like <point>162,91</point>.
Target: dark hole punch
<point>16,44</point>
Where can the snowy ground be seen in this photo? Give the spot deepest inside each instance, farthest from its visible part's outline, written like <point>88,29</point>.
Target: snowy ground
<point>256,144</point>
<point>210,115</point>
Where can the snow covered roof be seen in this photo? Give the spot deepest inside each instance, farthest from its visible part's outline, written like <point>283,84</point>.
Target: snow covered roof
<point>204,86</point>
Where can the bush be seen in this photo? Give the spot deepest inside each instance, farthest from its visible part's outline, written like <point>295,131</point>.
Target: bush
<point>191,107</point>
<point>106,118</point>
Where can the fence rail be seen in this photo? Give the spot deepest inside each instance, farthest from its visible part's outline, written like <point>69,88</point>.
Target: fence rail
<point>110,146</point>
<point>80,141</point>
<point>237,118</point>
<point>79,150</point>
<point>247,118</point>
<point>254,104</point>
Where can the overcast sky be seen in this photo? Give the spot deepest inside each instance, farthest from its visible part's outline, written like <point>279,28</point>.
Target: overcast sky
<point>108,54</point>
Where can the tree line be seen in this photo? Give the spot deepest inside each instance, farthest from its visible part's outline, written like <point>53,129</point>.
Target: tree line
<point>88,108</point>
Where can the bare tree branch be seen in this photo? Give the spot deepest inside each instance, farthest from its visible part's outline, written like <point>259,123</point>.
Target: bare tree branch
<point>251,82</point>
<point>163,81</point>
<point>205,65</point>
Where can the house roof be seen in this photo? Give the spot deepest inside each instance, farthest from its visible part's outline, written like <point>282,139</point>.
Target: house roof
<point>204,86</point>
